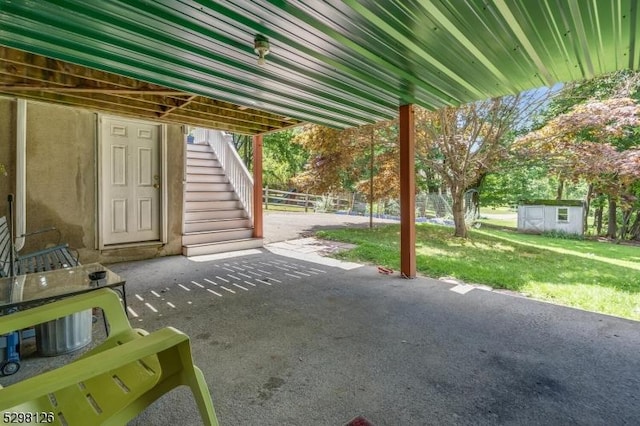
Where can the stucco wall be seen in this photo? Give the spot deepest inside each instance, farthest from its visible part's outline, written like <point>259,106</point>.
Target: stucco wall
<point>61,175</point>
<point>61,180</point>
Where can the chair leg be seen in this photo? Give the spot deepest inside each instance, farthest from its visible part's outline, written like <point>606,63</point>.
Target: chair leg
<point>194,378</point>
<point>203,398</point>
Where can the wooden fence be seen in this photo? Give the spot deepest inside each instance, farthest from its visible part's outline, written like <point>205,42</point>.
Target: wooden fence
<point>274,198</point>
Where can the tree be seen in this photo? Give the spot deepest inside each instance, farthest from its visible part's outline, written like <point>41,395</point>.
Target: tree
<point>462,145</point>
<point>244,146</point>
<point>330,155</point>
<point>617,85</point>
<point>349,159</point>
<point>515,181</point>
<point>590,142</point>
<point>283,159</point>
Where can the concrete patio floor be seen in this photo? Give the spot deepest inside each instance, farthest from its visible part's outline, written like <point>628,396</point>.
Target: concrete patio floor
<point>283,341</point>
<point>287,337</point>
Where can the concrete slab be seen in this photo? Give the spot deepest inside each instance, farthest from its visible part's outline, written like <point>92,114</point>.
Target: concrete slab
<point>282,341</point>
<point>313,250</point>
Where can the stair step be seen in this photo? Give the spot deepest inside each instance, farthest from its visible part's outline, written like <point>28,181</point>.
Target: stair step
<point>202,155</point>
<point>210,196</point>
<point>216,224</point>
<point>198,147</point>
<point>203,162</point>
<point>199,170</point>
<point>205,237</point>
<point>214,214</point>
<point>208,186</point>
<point>224,247</point>
<point>207,178</point>
<point>206,205</point>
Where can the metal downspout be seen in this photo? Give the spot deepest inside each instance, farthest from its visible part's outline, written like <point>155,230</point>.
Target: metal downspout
<point>21,173</point>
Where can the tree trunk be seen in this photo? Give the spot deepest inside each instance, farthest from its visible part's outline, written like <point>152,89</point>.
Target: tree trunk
<point>476,202</point>
<point>560,189</point>
<point>634,233</point>
<point>626,218</point>
<point>612,225</point>
<point>458,214</point>
<point>597,220</point>
<point>587,207</point>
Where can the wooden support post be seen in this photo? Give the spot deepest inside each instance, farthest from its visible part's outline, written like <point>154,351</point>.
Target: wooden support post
<point>257,186</point>
<point>407,193</point>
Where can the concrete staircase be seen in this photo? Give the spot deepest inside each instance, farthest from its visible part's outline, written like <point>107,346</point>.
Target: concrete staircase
<point>214,219</point>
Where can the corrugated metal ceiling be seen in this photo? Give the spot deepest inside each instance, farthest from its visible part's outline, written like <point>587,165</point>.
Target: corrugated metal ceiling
<point>338,63</point>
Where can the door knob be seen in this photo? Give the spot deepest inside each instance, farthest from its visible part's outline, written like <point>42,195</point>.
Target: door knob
<point>156,186</point>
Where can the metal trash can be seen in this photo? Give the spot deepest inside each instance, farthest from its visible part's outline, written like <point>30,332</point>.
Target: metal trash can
<point>64,335</point>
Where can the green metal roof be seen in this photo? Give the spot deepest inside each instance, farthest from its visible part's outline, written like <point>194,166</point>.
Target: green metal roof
<point>338,63</point>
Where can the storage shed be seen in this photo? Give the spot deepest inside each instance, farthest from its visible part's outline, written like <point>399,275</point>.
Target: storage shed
<point>539,216</point>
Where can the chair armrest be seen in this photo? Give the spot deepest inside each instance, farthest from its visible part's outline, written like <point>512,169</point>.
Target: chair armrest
<point>104,298</point>
<point>92,366</point>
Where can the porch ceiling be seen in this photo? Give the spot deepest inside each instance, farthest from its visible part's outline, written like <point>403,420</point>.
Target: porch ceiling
<point>337,63</point>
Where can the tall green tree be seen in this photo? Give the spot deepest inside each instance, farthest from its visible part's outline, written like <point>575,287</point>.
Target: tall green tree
<point>283,159</point>
<point>244,145</point>
<point>464,144</point>
<point>595,141</point>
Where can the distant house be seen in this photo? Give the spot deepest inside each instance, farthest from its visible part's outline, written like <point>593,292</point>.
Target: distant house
<point>539,216</point>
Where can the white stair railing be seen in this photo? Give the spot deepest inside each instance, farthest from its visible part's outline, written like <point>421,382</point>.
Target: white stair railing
<point>232,164</point>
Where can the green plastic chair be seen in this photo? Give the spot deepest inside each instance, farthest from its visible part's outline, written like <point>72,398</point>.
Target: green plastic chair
<point>112,383</point>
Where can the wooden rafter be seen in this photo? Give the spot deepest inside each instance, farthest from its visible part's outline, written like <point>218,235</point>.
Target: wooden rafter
<point>36,77</point>
<point>18,88</point>
<point>182,105</point>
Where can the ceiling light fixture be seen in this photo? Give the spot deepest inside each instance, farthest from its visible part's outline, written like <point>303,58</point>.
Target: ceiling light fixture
<point>261,47</point>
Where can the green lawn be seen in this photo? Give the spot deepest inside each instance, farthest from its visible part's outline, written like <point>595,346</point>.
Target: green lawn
<point>595,276</point>
<point>506,223</point>
<point>498,216</point>
<point>497,210</point>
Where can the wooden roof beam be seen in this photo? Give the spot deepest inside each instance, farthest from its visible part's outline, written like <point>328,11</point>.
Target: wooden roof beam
<point>117,91</point>
<point>42,63</point>
<point>180,105</point>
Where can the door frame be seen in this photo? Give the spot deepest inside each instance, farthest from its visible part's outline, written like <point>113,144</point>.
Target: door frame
<point>162,167</point>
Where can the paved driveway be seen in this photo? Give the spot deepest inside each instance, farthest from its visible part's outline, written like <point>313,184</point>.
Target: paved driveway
<point>281,226</point>
<point>287,342</point>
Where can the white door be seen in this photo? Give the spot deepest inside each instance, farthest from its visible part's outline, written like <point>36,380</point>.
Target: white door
<point>130,181</point>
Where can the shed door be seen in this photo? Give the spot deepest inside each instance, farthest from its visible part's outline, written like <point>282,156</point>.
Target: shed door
<point>130,181</point>
<point>534,218</point>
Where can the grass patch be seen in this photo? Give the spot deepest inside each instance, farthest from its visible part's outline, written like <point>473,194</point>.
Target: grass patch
<point>591,275</point>
<point>285,208</point>
<point>497,210</point>
<point>507,223</point>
